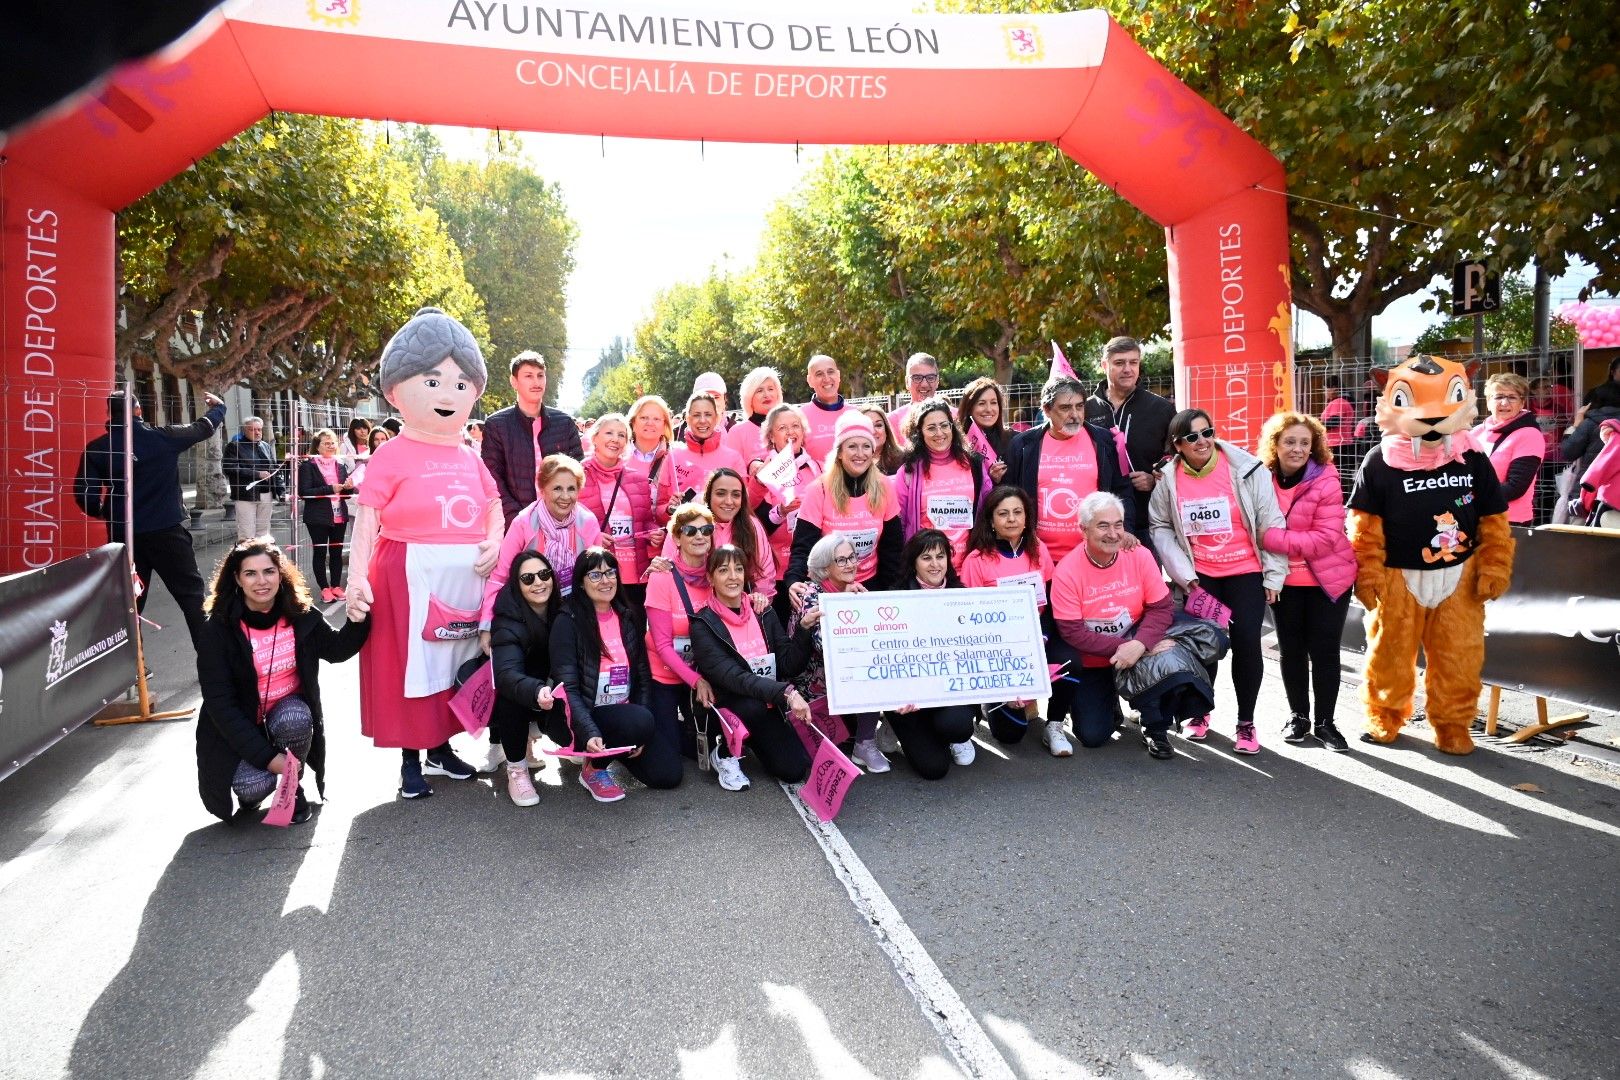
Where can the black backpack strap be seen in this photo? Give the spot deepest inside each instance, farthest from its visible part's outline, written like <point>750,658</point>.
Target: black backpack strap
<point>680,587</point>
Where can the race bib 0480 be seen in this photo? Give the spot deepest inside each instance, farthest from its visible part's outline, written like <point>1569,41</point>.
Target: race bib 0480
<point>1207,517</point>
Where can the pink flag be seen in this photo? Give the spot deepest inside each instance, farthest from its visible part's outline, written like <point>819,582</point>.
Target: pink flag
<point>1061,368</point>
<point>831,774</point>
<point>1204,605</point>
<point>281,807</point>
<point>559,695</point>
<point>979,444</point>
<point>736,731</point>
<point>474,702</point>
<point>1124,454</point>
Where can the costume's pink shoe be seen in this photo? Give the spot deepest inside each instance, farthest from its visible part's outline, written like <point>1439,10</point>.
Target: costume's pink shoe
<point>1198,729</point>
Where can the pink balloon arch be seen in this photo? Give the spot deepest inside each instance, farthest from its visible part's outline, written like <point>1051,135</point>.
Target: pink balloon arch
<point>1598,325</point>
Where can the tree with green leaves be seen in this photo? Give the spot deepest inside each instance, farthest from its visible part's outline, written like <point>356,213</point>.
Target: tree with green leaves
<point>1510,328</point>
<point>694,328</point>
<point>284,259</point>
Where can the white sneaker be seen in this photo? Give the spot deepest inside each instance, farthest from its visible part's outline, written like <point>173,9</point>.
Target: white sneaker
<point>963,752</point>
<point>868,755</point>
<point>728,771</point>
<point>886,740</point>
<point>1056,740</point>
<point>496,759</point>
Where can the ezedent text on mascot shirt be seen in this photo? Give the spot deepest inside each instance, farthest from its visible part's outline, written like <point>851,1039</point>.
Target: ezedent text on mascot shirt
<point>1430,518</point>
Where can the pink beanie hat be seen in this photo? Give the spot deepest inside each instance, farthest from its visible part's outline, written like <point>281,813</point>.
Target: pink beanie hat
<point>852,424</point>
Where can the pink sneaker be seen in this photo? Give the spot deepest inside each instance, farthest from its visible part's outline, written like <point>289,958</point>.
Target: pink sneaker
<point>599,782</point>
<point>520,786</point>
<point>1248,742</point>
<point>1197,729</point>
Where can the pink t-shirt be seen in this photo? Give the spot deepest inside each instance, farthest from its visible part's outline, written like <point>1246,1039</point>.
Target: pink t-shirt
<point>276,661</point>
<point>1299,573</point>
<point>688,468</point>
<point>328,467</point>
<point>1212,522</point>
<point>764,573</point>
<point>663,595</point>
<point>612,638</point>
<point>744,438</point>
<point>748,635</point>
<point>425,493</point>
<point>947,505</point>
<point>1344,413</point>
<point>1108,600</point>
<point>856,520</point>
<point>1068,474</point>
<point>820,426</point>
<point>980,569</point>
<point>897,423</point>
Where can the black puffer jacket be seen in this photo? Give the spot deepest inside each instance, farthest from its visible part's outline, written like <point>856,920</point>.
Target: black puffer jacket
<point>576,665</point>
<point>228,728</point>
<point>716,657</point>
<point>520,650</point>
<point>508,451</point>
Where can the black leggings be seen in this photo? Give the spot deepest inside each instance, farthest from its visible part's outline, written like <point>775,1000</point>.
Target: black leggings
<point>509,725</point>
<point>1309,626</point>
<point>1245,594</point>
<point>927,734</point>
<point>770,737</point>
<point>326,552</point>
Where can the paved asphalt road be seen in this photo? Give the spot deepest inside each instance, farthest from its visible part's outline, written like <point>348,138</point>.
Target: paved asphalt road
<point>1384,914</point>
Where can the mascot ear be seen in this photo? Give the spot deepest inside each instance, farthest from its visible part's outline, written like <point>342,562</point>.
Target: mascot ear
<point>1380,376</point>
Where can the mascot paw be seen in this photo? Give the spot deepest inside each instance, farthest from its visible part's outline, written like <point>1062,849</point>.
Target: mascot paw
<point>1453,740</point>
<point>1490,586</point>
<point>1383,730</point>
<point>1367,596</point>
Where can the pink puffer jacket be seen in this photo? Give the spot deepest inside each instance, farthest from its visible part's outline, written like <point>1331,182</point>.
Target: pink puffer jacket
<point>1315,530</point>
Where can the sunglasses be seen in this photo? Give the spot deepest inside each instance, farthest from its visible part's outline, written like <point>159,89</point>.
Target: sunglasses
<point>1197,436</point>
<point>532,576</point>
<point>596,577</point>
<point>697,530</point>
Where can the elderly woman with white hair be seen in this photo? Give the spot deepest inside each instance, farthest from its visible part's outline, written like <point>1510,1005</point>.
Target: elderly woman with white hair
<point>1111,607</point>
<point>427,533</point>
<point>832,565</point>
<point>760,393</point>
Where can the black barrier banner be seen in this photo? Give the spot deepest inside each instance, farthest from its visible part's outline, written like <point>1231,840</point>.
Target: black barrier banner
<point>1557,631</point>
<point>67,648</point>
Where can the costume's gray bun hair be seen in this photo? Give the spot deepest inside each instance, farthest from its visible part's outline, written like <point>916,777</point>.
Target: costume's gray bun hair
<point>421,344</point>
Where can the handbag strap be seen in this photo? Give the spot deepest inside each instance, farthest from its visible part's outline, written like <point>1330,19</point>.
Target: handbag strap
<point>680,587</point>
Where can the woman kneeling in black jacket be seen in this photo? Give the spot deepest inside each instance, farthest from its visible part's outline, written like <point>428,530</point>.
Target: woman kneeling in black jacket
<point>520,653</point>
<point>933,738</point>
<point>599,654</point>
<point>749,661</point>
<point>258,665</point>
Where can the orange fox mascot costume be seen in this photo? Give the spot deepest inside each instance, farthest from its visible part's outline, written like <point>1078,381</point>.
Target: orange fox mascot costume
<point>1429,526</point>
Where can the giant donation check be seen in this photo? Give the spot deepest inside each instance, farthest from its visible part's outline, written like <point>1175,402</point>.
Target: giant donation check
<point>931,647</point>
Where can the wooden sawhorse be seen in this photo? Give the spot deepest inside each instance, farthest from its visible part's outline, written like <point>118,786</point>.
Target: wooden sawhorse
<point>1542,724</point>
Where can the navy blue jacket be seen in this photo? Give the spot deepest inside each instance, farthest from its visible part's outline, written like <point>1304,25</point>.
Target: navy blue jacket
<point>158,503</point>
<point>1024,470</point>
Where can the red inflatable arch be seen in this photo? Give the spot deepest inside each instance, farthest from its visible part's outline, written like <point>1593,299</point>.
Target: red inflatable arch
<point>1077,80</point>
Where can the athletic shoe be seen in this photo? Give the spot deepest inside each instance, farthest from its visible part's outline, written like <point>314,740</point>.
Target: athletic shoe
<point>1296,729</point>
<point>1197,729</point>
<point>1056,740</point>
<point>887,741</point>
<point>337,594</point>
<point>867,754</point>
<point>599,782</point>
<point>520,786</point>
<point>963,753</point>
<point>301,810</point>
<point>445,763</point>
<point>728,771</point>
<point>1327,733</point>
<point>411,784</point>
<point>495,760</point>
<point>1247,741</point>
<point>1158,745</point>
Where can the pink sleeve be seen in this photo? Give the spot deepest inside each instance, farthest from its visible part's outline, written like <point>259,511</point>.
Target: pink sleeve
<point>971,573</point>
<point>518,536</point>
<point>891,500</point>
<point>661,628</point>
<point>1048,565</point>
<point>767,564</point>
<point>811,506</point>
<point>1147,569</point>
<point>590,533</point>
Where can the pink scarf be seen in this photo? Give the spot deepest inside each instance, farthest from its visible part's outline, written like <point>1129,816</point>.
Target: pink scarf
<point>1399,453</point>
<point>329,473</point>
<point>561,542</point>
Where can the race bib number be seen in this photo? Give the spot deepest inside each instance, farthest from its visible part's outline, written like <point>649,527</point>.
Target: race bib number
<point>950,511</point>
<point>1033,579</point>
<point>864,541</point>
<point>1207,517</point>
<point>683,649</point>
<point>764,666</point>
<point>1114,625</point>
<point>621,527</point>
<point>613,685</point>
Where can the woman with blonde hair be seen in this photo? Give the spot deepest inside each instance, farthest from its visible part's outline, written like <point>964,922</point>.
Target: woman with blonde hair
<point>622,506</point>
<point>1512,437</point>
<point>652,430</point>
<point>854,498</point>
<point>1315,596</point>
<point>760,393</point>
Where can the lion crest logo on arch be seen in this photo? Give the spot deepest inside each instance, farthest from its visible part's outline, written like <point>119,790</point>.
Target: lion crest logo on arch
<point>333,12</point>
<point>1023,41</point>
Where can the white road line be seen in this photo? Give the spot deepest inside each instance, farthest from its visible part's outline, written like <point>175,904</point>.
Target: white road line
<point>966,1039</point>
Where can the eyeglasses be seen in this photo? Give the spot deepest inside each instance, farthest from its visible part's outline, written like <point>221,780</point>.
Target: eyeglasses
<point>926,380</point>
<point>1506,397</point>
<point>697,530</point>
<point>846,560</point>
<point>1197,436</point>
<point>596,577</point>
<point>533,576</point>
